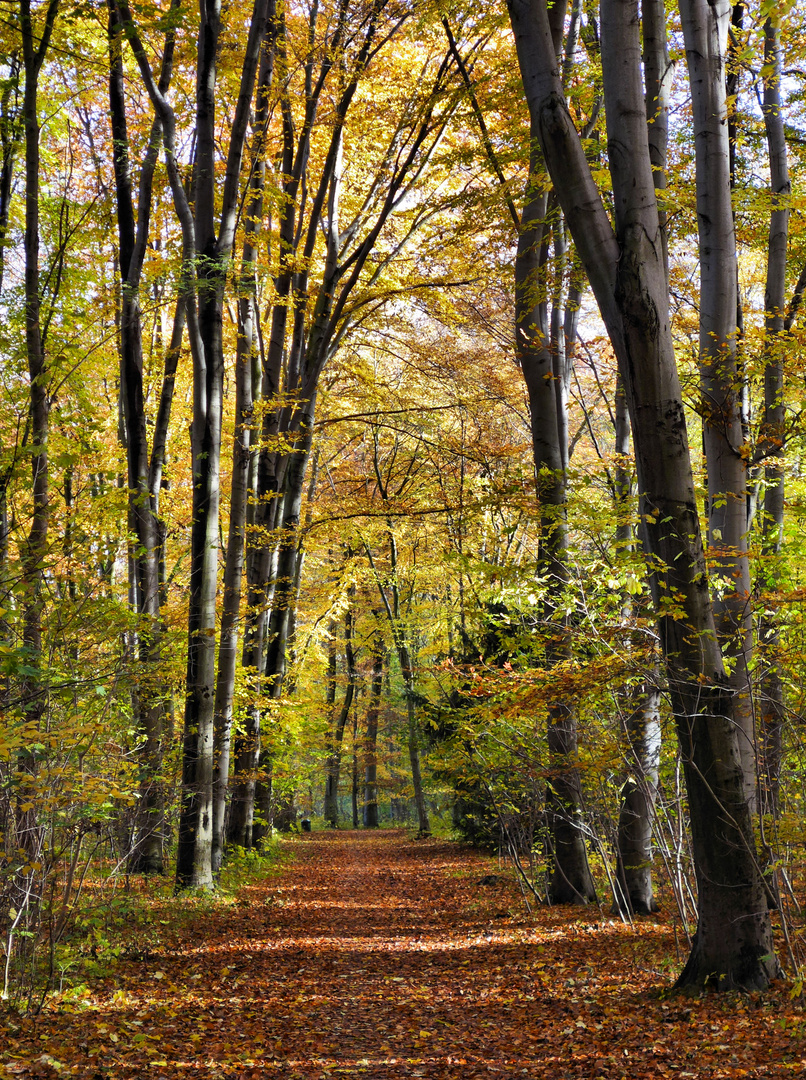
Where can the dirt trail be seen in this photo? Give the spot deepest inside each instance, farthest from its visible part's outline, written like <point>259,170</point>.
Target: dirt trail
<point>378,956</point>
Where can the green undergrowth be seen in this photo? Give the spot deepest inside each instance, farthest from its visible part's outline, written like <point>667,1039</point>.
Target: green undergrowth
<point>118,918</point>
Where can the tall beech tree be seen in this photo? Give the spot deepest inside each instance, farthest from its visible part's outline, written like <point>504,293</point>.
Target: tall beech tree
<point>35,43</point>
<point>142,461</point>
<point>772,437</point>
<point>248,394</point>
<point>642,726</point>
<point>705,33</point>
<point>546,314</point>
<point>626,266</point>
<point>208,231</point>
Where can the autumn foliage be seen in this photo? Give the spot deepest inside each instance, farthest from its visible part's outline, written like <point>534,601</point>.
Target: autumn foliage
<point>375,955</point>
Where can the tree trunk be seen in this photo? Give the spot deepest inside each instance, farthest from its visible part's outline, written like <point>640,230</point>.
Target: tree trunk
<point>34,551</point>
<point>354,791</point>
<point>705,30</point>
<point>733,943</point>
<point>773,429</point>
<point>642,730</point>
<point>371,743</point>
<point>242,458</point>
<point>151,693</point>
<point>571,881</point>
<point>9,139</point>
<point>233,570</point>
<point>339,722</point>
<point>634,865</point>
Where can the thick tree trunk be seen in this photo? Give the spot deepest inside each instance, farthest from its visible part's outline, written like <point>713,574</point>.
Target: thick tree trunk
<point>194,852</point>
<point>642,731</point>
<point>733,943</point>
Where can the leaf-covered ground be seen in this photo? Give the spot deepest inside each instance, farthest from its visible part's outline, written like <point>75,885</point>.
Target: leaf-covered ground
<point>373,955</point>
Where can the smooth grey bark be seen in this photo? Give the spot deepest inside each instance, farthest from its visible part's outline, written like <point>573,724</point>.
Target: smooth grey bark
<point>658,71</point>
<point>626,268</point>
<point>234,560</point>
<point>642,733</point>
<point>641,730</point>
<point>772,439</point>
<point>705,32</point>
<point>370,813</point>
<point>247,361</point>
<point>194,853</point>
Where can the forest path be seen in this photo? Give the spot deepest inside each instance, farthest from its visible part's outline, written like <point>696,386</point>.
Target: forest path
<point>374,955</point>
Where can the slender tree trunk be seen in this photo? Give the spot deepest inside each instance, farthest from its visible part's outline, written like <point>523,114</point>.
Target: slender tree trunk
<point>9,139</point>
<point>413,738</point>
<point>634,865</point>
<point>243,457</point>
<point>641,729</point>
<point>336,735</point>
<point>355,771</point>
<point>233,572</point>
<point>133,231</point>
<point>35,42</point>
<point>247,744</point>
<point>571,881</point>
<point>705,31</point>
<point>773,433</point>
<point>371,744</point>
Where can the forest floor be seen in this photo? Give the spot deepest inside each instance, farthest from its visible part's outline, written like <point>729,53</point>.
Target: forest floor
<point>375,955</point>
